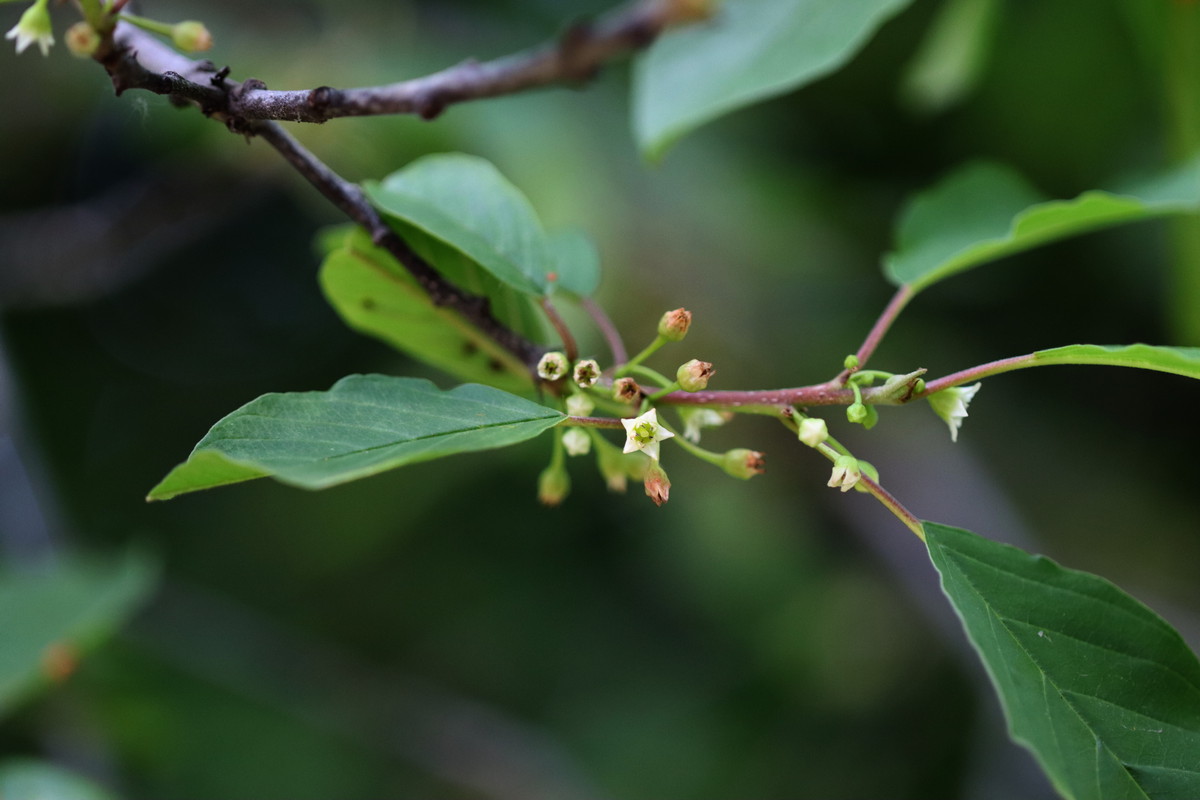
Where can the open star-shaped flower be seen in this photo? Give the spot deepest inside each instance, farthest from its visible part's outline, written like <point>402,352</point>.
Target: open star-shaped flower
<point>644,433</point>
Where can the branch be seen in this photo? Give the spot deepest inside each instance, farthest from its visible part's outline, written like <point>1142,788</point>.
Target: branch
<point>574,58</point>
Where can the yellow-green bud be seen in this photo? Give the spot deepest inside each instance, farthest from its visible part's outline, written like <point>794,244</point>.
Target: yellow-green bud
<point>191,36</point>
<point>674,324</point>
<point>813,431</point>
<point>82,39</point>
<point>554,484</point>
<point>693,376</point>
<point>851,362</point>
<point>856,412</point>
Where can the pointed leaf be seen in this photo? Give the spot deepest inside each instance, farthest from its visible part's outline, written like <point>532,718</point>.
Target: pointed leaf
<point>52,616</point>
<point>1178,360</point>
<point>751,50</point>
<point>1103,692</point>
<point>985,212</point>
<point>364,425</point>
<point>464,202</point>
<point>375,295</point>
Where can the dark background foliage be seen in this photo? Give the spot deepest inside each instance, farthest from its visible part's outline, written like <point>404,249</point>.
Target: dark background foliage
<point>434,632</point>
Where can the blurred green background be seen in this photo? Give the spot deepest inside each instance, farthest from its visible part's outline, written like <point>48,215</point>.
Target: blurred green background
<point>434,632</point>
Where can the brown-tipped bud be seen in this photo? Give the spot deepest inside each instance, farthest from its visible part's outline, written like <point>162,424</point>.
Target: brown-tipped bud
<point>674,324</point>
<point>626,390</point>
<point>658,486</point>
<point>743,463</point>
<point>82,40</point>
<point>693,376</point>
<point>191,36</point>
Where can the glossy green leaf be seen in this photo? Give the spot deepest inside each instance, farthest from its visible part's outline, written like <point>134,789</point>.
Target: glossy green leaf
<point>749,51</point>
<point>1178,360</point>
<point>375,295</point>
<point>465,203</point>
<point>1103,692</point>
<point>51,616</point>
<point>985,212</point>
<point>364,425</point>
<point>27,779</point>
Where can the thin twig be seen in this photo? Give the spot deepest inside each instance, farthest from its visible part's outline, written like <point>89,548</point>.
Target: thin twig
<point>560,327</point>
<point>573,59</point>
<point>616,345</point>
<point>878,330</point>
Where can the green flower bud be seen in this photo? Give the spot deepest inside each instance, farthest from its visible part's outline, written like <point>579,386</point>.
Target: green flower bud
<point>674,324</point>
<point>554,484</point>
<point>580,405</point>
<point>743,463</point>
<point>856,412</point>
<point>693,376</point>
<point>813,431</point>
<point>191,36</point>
<point>576,442</point>
<point>851,362</point>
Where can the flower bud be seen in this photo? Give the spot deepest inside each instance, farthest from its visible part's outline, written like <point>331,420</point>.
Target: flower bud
<point>813,431</point>
<point>693,376</point>
<point>851,362</point>
<point>580,405</point>
<point>82,39</point>
<point>845,473</point>
<point>554,484</point>
<point>576,442</point>
<point>658,486</point>
<point>191,36</point>
<point>743,463</point>
<point>674,324</point>
<point>626,390</point>
<point>553,366</point>
<point>586,373</point>
<point>856,412</point>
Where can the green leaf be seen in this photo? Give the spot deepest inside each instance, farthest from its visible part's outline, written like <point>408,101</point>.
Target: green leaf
<point>1103,692</point>
<point>985,212</point>
<point>37,780</point>
<point>576,262</point>
<point>465,203</point>
<point>364,425</point>
<point>374,294</point>
<point>751,50</point>
<point>1178,360</point>
<point>52,616</point>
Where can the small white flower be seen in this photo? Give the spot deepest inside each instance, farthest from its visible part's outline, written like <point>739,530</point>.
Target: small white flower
<point>552,366</point>
<point>587,372</point>
<point>644,433</point>
<point>580,405</point>
<point>845,473</point>
<point>951,405</point>
<point>576,442</point>
<point>813,431</point>
<point>696,418</point>
<point>33,27</point>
